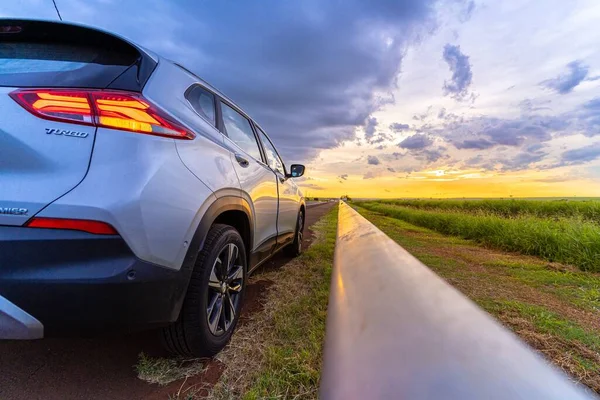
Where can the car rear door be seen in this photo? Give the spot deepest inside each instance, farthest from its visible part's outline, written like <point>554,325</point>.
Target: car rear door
<point>41,158</point>
<point>256,178</point>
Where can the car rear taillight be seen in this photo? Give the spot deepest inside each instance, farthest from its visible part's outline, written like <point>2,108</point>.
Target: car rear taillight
<point>66,106</point>
<point>103,108</point>
<point>85,225</point>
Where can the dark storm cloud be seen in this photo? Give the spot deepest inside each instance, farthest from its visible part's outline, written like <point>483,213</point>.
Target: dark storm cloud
<point>458,85</point>
<point>485,132</point>
<point>308,71</point>
<point>581,155</point>
<point>521,160</point>
<point>591,117</point>
<point>432,155</point>
<point>423,116</point>
<point>585,120</point>
<point>529,106</point>
<point>379,138</point>
<point>479,161</point>
<point>479,144</point>
<point>535,147</point>
<point>556,124</point>
<point>416,141</point>
<point>370,126</point>
<point>467,11</point>
<point>371,175</point>
<point>398,127</point>
<point>593,105</point>
<point>475,161</point>
<point>373,160</point>
<point>515,133</point>
<point>566,82</point>
<point>520,142</point>
<point>588,118</point>
<point>387,157</point>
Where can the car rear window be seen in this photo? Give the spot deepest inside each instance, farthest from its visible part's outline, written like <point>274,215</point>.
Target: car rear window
<point>29,64</point>
<point>202,101</point>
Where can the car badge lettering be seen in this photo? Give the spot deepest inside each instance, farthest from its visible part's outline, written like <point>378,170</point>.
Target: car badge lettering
<point>13,211</point>
<point>64,132</point>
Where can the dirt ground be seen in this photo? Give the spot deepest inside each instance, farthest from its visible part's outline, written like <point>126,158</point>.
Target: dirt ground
<point>103,367</point>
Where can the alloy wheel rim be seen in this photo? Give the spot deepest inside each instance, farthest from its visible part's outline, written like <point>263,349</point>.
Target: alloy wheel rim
<point>224,289</point>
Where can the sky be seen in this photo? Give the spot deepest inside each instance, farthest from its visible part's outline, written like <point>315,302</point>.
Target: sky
<point>406,98</point>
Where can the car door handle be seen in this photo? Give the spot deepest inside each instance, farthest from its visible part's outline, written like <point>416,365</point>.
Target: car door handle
<point>241,160</point>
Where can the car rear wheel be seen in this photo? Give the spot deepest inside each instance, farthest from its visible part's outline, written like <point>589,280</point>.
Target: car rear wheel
<point>214,298</point>
<point>294,249</point>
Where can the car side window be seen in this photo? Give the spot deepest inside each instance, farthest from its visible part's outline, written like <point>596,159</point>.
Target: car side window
<point>238,129</point>
<point>203,102</point>
<point>273,158</point>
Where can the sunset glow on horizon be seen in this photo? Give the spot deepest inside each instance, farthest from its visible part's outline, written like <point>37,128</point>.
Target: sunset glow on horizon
<point>454,184</point>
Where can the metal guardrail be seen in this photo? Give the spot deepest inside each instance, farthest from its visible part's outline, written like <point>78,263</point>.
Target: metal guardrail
<point>395,330</point>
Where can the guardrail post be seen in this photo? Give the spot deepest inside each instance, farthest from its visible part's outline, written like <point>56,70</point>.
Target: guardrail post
<point>395,330</point>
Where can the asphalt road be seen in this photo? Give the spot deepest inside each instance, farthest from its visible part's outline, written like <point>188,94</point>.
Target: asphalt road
<point>94,368</point>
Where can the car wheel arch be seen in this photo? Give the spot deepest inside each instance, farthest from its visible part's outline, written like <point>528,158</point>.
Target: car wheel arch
<point>223,210</point>
<point>221,206</point>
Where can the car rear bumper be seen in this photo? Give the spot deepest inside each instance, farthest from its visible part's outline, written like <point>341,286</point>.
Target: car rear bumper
<point>59,282</point>
<point>17,324</point>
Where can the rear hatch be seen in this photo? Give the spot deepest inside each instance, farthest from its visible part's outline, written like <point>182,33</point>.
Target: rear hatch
<point>42,66</point>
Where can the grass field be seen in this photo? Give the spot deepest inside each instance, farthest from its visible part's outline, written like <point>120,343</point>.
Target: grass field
<point>523,226</point>
<point>555,307</point>
<point>277,354</point>
<point>556,208</point>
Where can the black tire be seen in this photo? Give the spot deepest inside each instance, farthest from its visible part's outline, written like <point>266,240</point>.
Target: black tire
<point>294,249</point>
<point>192,335</point>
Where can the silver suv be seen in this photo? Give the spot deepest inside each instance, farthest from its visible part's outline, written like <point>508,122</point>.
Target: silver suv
<point>132,193</point>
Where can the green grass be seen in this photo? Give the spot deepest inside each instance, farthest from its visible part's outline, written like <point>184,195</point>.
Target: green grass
<point>545,321</point>
<point>581,289</point>
<point>278,354</point>
<point>577,348</point>
<point>567,241</point>
<point>552,306</point>
<point>293,360</point>
<point>557,208</point>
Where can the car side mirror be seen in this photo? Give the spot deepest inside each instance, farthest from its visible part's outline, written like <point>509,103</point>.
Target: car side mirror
<point>296,171</point>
